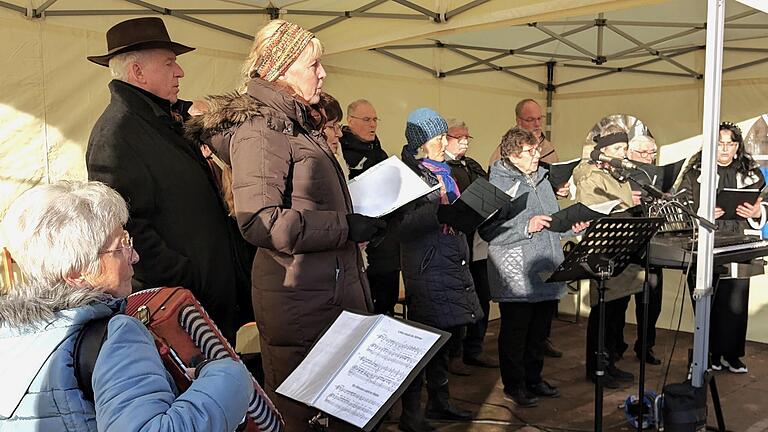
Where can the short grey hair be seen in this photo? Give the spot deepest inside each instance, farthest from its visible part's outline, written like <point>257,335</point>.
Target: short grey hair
<point>521,104</point>
<point>456,124</point>
<point>352,107</point>
<point>119,64</point>
<point>635,142</point>
<point>57,230</point>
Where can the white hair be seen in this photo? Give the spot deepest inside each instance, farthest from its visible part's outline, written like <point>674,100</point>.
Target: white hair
<point>637,140</point>
<point>55,231</point>
<point>120,64</point>
<point>456,124</point>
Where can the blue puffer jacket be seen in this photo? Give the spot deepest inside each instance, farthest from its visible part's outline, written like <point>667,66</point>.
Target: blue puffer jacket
<point>132,389</point>
<point>515,262</point>
<point>435,264</point>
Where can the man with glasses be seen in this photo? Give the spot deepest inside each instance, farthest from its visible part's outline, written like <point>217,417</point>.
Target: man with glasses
<point>465,170</point>
<point>528,117</point>
<point>177,218</point>
<point>361,149</point>
<point>642,148</point>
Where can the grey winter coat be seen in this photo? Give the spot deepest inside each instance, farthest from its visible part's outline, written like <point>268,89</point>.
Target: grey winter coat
<point>515,261</point>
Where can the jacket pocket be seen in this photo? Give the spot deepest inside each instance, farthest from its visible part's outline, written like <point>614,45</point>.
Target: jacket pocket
<point>338,287</point>
<point>428,255</point>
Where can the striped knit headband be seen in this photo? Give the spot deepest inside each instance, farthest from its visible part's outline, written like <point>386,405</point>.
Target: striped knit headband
<point>285,46</point>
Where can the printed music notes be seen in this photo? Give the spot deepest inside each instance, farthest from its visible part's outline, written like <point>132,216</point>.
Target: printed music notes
<point>361,365</point>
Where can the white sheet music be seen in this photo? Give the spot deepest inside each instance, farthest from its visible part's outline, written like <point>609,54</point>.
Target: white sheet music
<point>385,187</point>
<point>357,366</point>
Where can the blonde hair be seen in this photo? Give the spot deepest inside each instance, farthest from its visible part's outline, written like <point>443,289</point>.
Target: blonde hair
<point>262,41</point>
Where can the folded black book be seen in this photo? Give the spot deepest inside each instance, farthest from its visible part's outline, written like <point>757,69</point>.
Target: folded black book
<point>662,177</point>
<point>479,202</point>
<point>564,219</point>
<point>560,172</point>
<point>730,198</point>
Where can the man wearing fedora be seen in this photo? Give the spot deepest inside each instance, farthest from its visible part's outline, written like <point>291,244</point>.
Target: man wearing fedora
<point>178,222</point>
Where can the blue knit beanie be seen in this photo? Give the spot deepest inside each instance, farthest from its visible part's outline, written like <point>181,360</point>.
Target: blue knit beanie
<point>423,125</point>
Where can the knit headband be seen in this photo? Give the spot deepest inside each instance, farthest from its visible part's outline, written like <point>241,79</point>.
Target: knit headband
<point>607,140</point>
<point>285,46</point>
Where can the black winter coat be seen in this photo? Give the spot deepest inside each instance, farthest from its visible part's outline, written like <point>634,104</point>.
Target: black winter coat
<point>465,171</point>
<point>177,219</point>
<point>383,257</point>
<point>435,264</point>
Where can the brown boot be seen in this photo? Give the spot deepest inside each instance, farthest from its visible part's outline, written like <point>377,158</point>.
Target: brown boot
<point>457,367</point>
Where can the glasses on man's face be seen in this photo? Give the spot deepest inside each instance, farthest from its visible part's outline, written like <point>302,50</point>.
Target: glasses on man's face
<point>532,119</point>
<point>126,246</point>
<point>727,144</point>
<point>646,153</point>
<point>465,138</point>
<point>367,119</point>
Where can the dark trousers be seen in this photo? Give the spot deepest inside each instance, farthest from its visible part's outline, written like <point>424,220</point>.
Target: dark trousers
<point>436,373</point>
<point>614,316</point>
<point>728,319</point>
<point>385,289</point>
<point>475,336</point>
<point>655,295</point>
<point>521,341</point>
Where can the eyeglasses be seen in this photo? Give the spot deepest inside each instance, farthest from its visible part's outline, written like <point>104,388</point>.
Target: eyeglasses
<point>531,119</point>
<point>367,119</point>
<point>467,138</point>
<point>728,144</point>
<point>531,150</point>
<point>126,244</point>
<point>645,153</point>
<point>335,126</point>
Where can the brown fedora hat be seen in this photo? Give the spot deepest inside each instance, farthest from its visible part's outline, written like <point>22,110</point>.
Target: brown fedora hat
<point>137,34</point>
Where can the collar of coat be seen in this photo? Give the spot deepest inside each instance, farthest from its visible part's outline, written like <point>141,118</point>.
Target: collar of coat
<point>350,141</point>
<point>282,113</point>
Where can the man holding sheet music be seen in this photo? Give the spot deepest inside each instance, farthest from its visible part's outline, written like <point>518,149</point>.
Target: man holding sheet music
<point>466,170</point>
<point>730,302</point>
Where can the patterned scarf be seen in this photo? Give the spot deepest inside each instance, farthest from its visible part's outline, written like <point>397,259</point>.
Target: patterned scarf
<point>449,190</point>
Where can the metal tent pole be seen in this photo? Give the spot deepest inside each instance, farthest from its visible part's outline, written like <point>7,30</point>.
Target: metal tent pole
<point>711,118</point>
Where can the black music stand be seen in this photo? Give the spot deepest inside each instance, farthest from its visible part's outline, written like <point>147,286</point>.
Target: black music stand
<point>608,246</point>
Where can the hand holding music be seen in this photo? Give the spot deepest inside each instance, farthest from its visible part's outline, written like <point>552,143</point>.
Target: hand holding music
<point>579,227</point>
<point>538,223</point>
<point>719,212</point>
<point>747,210</point>
<point>564,191</point>
<point>636,197</point>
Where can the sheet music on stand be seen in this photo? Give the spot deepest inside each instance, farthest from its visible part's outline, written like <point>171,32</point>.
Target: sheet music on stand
<point>361,365</point>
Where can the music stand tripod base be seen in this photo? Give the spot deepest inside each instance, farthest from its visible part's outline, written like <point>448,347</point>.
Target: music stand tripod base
<point>605,250</point>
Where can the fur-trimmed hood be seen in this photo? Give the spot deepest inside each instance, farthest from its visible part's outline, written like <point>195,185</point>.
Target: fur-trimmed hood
<point>30,304</point>
<point>227,112</point>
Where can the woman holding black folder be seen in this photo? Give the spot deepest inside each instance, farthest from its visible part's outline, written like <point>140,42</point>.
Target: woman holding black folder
<point>730,302</point>
<point>520,250</point>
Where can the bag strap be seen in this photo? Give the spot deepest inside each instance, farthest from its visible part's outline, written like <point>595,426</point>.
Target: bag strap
<point>87,347</point>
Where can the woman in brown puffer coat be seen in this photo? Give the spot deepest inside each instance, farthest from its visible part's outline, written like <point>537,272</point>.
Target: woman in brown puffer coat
<point>291,201</point>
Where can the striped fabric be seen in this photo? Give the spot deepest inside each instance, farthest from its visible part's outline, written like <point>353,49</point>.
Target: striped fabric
<point>260,410</point>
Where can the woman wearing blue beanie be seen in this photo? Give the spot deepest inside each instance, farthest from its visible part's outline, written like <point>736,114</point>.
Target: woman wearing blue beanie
<point>435,266</point>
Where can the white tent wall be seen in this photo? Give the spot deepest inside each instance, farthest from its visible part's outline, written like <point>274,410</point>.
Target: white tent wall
<point>50,96</point>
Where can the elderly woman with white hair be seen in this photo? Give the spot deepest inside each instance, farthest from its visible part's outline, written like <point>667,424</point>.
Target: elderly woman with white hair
<point>76,258</point>
<point>291,201</point>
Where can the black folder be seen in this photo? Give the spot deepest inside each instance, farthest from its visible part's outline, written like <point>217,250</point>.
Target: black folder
<point>478,202</point>
<point>662,177</point>
<point>564,219</point>
<point>728,199</point>
<point>560,172</point>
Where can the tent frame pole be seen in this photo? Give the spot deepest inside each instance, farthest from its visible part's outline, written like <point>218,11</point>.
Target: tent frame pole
<point>702,294</point>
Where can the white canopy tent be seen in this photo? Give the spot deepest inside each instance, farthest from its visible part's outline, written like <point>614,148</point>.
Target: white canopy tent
<point>467,59</point>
